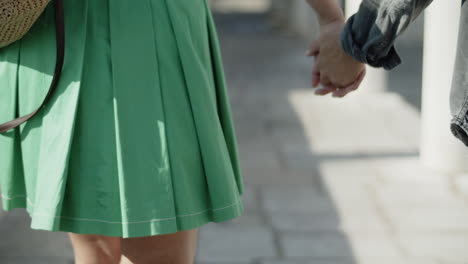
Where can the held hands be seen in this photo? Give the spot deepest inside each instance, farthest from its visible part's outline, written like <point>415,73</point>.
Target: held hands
<point>336,71</point>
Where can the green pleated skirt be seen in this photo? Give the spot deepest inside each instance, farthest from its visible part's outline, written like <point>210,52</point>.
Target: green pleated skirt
<point>138,139</point>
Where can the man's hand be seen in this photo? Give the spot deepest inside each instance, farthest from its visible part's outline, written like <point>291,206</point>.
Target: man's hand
<point>338,72</point>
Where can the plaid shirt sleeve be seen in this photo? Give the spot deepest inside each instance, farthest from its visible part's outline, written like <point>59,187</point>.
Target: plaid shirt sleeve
<point>369,35</point>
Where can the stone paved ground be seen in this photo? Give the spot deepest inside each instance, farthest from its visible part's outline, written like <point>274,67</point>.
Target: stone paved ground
<point>328,181</point>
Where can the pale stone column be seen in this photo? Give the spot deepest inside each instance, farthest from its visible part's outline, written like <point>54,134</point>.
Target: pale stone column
<point>295,16</point>
<point>376,79</point>
<point>303,20</point>
<point>280,12</point>
<point>439,148</point>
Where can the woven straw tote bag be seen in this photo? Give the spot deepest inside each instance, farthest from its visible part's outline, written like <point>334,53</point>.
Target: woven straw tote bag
<point>16,18</point>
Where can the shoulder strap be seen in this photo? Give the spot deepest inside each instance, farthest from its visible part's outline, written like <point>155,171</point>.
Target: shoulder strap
<point>60,43</point>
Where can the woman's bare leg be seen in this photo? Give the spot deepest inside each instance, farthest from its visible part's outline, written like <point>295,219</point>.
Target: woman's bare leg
<point>176,248</point>
<point>96,249</point>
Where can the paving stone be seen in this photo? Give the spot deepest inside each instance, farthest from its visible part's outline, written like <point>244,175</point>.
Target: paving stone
<point>310,261</point>
<point>326,221</point>
<point>350,185</point>
<point>247,262</point>
<point>252,133</point>
<point>338,245</point>
<point>402,260</point>
<point>282,111</point>
<point>428,219</point>
<point>286,134</point>
<point>290,199</point>
<point>318,245</point>
<point>300,158</point>
<point>246,219</point>
<point>407,170</point>
<point>250,199</point>
<point>406,130</point>
<point>447,247</point>
<point>347,173</point>
<point>272,176</point>
<point>356,222</point>
<point>19,240</point>
<point>414,195</point>
<point>350,260</point>
<point>218,243</point>
<point>261,156</point>
<point>327,137</point>
<point>35,260</point>
<point>386,116</point>
<point>251,125</point>
<point>2,212</point>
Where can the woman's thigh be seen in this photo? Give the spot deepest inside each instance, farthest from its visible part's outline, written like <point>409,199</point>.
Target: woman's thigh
<point>176,248</point>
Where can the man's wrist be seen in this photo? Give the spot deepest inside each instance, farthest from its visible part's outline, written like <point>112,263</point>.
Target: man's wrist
<point>324,20</point>
<point>328,11</point>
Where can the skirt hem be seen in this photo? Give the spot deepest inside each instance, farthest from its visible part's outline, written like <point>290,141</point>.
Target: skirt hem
<point>125,229</point>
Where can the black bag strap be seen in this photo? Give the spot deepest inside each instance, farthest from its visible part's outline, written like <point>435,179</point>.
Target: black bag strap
<point>60,43</point>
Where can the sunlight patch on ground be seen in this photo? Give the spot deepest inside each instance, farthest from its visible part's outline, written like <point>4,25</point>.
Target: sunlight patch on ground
<point>365,124</point>
<point>244,6</point>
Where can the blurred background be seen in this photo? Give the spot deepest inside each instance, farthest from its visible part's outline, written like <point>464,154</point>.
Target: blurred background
<point>373,178</point>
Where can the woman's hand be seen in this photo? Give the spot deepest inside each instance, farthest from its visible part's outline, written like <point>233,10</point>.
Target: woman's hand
<point>338,72</point>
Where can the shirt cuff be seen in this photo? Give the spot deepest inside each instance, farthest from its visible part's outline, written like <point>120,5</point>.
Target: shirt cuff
<point>459,129</point>
<point>371,52</point>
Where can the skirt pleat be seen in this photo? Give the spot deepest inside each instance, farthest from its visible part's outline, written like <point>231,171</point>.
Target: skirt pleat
<point>138,140</point>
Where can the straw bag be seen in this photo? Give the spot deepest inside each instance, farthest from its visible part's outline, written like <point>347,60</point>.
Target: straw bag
<point>16,18</point>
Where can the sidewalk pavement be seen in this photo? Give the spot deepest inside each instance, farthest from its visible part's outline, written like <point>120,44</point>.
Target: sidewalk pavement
<point>328,181</point>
